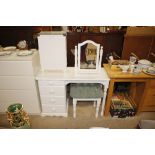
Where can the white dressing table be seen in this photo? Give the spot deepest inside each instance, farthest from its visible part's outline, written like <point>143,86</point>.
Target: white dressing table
<point>53,85</point>
<point>55,75</point>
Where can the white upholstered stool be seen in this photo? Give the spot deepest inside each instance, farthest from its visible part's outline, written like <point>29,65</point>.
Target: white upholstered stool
<point>86,92</point>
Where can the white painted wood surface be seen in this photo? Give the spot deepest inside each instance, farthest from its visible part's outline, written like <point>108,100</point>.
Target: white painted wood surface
<point>11,64</point>
<point>17,82</point>
<point>52,86</point>
<point>52,50</point>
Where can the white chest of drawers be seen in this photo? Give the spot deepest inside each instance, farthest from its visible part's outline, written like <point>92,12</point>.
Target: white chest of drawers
<point>53,97</point>
<point>17,82</point>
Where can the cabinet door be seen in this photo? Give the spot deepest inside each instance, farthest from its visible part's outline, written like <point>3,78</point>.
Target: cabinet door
<point>139,45</point>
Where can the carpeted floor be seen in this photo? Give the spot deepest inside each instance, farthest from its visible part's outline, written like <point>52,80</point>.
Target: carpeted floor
<point>85,119</point>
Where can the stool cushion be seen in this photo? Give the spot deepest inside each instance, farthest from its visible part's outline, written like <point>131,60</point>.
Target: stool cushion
<point>86,90</point>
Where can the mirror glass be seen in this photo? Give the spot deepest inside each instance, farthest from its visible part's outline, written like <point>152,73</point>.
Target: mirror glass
<point>88,56</point>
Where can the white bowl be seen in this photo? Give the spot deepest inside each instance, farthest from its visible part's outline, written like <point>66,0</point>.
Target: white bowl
<point>153,64</point>
<point>144,63</point>
<point>124,68</point>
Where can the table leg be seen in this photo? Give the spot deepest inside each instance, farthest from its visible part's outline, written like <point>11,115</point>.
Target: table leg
<point>103,101</point>
<point>109,97</point>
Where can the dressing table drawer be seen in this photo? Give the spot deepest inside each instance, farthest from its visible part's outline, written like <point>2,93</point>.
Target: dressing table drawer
<point>52,91</point>
<point>53,97</point>
<point>53,109</point>
<point>51,83</point>
<point>53,100</point>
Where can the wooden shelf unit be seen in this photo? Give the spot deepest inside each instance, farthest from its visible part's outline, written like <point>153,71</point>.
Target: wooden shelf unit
<point>142,89</point>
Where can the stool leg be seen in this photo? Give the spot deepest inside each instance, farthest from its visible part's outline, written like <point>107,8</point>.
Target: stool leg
<point>74,107</point>
<point>97,107</point>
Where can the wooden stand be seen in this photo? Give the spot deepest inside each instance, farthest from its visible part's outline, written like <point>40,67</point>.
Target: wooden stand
<point>141,84</point>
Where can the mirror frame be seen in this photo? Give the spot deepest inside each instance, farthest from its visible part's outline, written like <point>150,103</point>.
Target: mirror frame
<point>99,53</point>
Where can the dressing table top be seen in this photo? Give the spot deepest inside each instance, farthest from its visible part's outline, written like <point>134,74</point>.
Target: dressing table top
<point>69,74</point>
